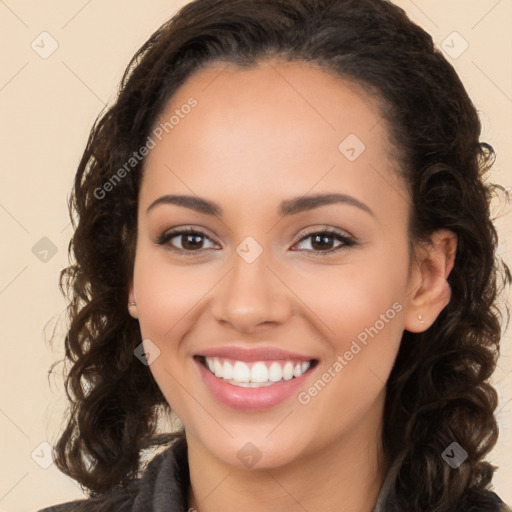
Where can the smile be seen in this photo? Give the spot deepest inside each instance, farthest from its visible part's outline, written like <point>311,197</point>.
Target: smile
<point>254,385</point>
<point>255,374</point>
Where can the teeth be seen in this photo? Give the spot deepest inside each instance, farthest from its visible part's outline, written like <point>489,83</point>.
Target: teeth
<point>258,375</point>
<point>275,373</point>
<point>250,384</point>
<point>227,370</point>
<point>217,368</point>
<point>288,371</point>
<point>241,372</point>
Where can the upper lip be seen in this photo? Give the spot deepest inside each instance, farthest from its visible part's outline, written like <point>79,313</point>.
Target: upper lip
<point>253,354</point>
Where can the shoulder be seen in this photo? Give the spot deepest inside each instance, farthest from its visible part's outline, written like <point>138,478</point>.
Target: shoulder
<point>504,506</point>
<point>63,507</point>
<point>164,481</point>
<point>118,500</point>
<point>482,501</point>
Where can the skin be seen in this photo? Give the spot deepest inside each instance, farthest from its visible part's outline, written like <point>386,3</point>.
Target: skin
<point>259,136</point>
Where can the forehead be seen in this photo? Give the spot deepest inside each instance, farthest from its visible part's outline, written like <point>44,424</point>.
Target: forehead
<point>279,128</point>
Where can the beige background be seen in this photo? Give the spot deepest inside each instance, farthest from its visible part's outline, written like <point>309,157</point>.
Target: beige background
<point>47,107</point>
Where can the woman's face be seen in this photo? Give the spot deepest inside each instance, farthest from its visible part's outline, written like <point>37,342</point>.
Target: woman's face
<point>285,152</point>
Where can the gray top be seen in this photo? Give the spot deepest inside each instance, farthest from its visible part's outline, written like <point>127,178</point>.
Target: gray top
<point>164,485</point>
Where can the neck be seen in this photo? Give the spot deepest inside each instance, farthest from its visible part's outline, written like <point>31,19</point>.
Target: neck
<point>344,475</point>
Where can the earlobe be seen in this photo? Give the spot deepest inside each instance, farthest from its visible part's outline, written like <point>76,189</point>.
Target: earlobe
<point>132,305</point>
<point>430,291</point>
<point>132,309</point>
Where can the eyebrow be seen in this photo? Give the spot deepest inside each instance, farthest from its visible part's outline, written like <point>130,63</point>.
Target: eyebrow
<point>288,207</point>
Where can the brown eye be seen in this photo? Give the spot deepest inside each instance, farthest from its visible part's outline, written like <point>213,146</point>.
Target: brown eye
<point>185,240</point>
<point>322,241</point>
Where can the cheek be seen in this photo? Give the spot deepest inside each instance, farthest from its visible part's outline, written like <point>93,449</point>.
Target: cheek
<point>361,308</point>
<point>365,330</point>
<point>166,293</point>
<point>363,292</point>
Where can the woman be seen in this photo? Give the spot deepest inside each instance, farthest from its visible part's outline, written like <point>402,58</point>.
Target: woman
<point>284,237</point>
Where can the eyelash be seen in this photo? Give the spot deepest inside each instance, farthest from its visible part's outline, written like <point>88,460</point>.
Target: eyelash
<point>346,241</point>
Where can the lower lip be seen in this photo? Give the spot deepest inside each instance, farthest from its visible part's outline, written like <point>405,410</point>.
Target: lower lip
<point>251,399</point>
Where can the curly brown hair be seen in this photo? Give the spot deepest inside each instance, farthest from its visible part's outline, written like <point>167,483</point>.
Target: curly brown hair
<point>439,386</point>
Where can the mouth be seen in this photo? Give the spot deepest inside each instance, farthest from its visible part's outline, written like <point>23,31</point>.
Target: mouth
<point>256,374</point>
<point>256,378</point>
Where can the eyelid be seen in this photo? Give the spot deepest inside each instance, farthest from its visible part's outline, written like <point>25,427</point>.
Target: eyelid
<point>326,229</point>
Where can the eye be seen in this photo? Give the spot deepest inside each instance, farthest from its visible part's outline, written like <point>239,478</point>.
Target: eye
<point>322,241</point>
<point>188,240</point>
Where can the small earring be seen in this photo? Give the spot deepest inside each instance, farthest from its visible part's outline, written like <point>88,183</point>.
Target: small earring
<point>420,318</point>
<point>131,304</point>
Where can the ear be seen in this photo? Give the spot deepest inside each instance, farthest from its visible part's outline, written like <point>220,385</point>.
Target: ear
<point>131,298</point>
<point>429,291</point>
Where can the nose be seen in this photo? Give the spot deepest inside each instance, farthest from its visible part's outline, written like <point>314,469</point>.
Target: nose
<point>252,296</point>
